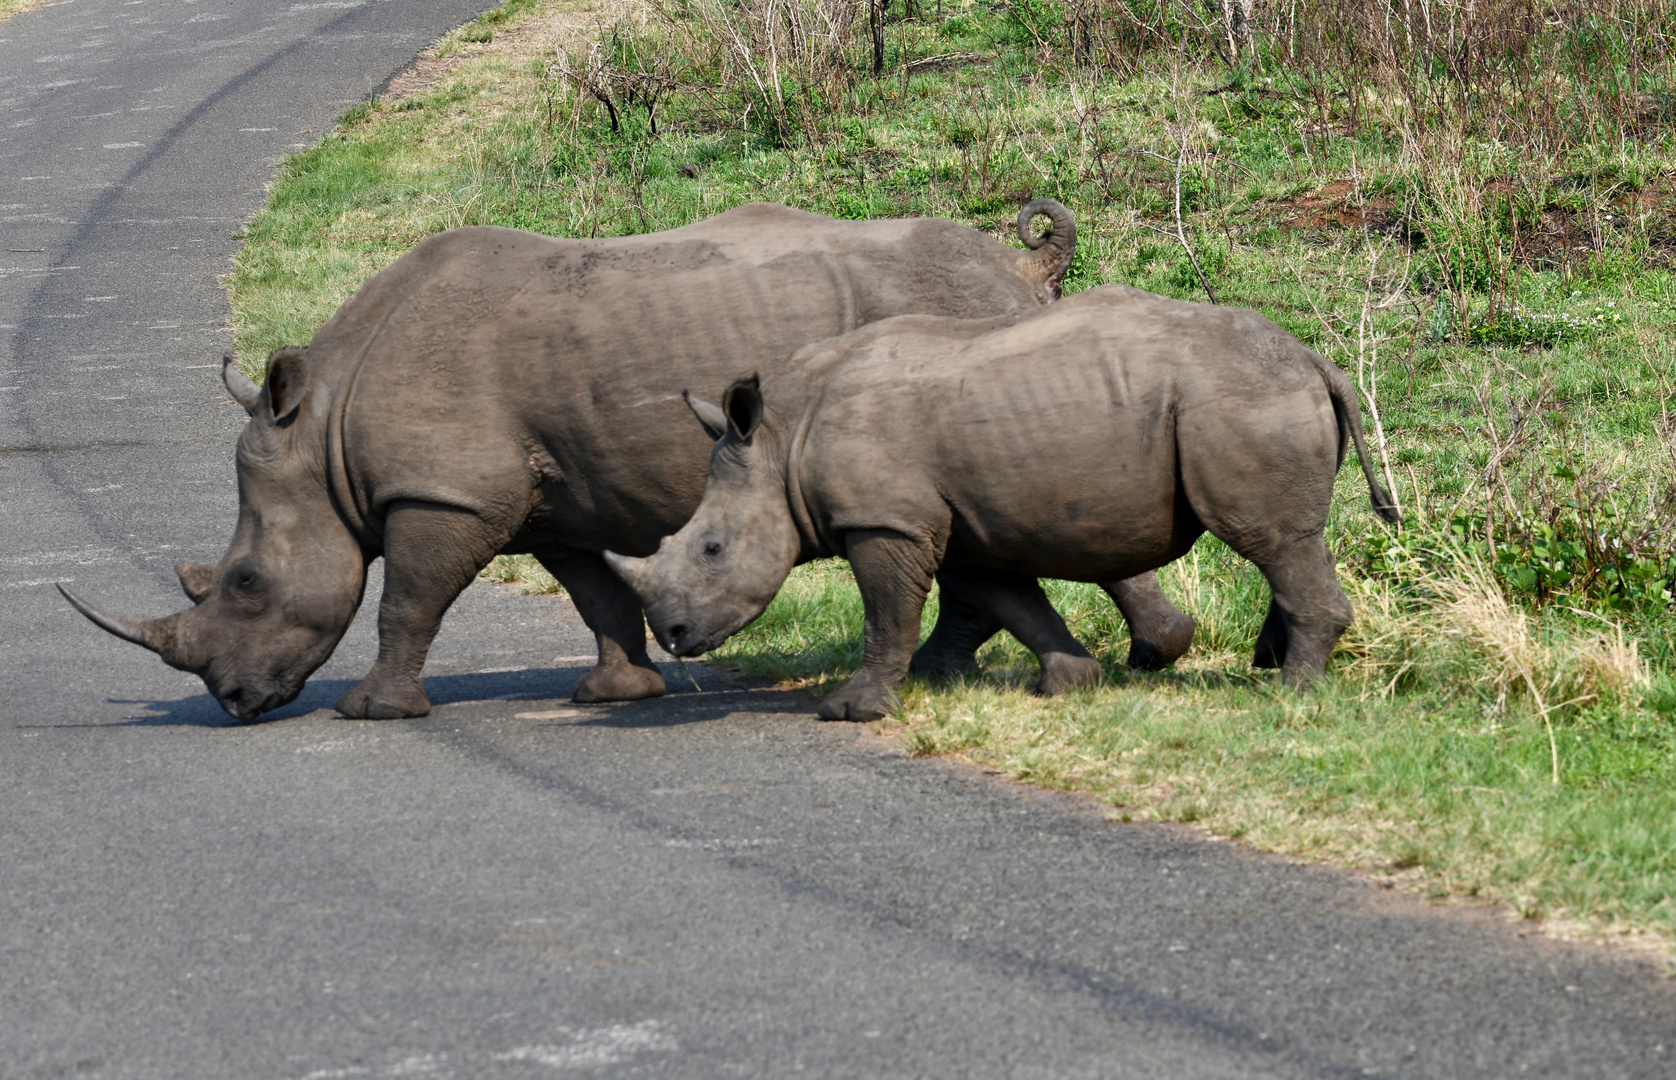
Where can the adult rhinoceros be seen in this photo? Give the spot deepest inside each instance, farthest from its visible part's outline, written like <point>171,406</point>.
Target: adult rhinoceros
<point>1095,440</point>
<point>501,391</point>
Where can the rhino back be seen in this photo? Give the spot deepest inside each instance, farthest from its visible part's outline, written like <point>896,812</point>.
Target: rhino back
<point>1051,444</point>
<point>489,361</point>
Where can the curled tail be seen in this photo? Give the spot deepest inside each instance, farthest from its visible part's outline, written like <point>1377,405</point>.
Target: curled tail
<point>1347,407</point>
<point>1050,252</point>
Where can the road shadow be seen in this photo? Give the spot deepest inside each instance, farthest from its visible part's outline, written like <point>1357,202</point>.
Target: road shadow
<point>695,695</point>
<point>688,706</point>
<point>201,710</point>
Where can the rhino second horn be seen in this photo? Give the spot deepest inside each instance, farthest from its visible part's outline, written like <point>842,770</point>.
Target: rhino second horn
<point>245,392</point>
<point>197,580</point>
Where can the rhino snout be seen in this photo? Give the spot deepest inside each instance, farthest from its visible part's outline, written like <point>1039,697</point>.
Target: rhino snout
<point>240,705</point>
<point>681,641</point>
<point>246,701</point>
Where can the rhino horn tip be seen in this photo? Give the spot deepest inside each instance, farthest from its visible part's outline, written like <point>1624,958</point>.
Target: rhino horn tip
<point>126,629</point>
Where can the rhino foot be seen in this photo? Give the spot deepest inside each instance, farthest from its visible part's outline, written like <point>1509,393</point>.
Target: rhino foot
<point>619,682</point>
<point>1062,672</point>
<point>861,699</point>
<point>370,700</point>
<point>1163,645</point>
<point>943,663</point>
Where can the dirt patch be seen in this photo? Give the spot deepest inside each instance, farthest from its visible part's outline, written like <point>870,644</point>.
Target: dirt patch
<point>525,38</point>
<point>1556,238</point>
<point>422,74</point>
<point>1335,206</point>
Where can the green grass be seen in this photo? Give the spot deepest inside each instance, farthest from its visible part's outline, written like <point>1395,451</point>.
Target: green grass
<point>1518,629</point>
<point>8,8</point>
<point>1437,782</point>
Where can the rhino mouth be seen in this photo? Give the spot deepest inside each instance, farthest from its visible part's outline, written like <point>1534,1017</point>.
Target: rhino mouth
<point>684,643</point>
<point>244,705</point>
<point>687,641</point>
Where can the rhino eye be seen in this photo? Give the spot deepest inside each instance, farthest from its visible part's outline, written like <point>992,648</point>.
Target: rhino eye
<point>712,549</point>
<point>245,579</point>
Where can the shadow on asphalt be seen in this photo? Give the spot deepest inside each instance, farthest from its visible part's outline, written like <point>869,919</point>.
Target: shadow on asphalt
<point>684,704</point>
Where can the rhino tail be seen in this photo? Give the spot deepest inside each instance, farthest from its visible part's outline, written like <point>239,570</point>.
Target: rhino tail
<point>1347,406</point>
<point>1051,251</point>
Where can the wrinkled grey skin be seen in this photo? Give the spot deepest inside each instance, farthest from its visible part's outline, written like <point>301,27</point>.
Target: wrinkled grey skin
<point>1092,441</point>
<point>500,391</point>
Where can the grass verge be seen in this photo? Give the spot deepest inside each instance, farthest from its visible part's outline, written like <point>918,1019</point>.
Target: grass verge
<point>8,8</point>
<point>1499,722</point>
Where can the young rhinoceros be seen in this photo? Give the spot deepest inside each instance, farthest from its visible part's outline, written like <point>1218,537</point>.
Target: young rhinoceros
<point>499,391</point>
<point>1094,440</point>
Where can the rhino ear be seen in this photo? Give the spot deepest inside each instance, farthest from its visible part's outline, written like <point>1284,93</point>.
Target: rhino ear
<point>713,419</point>
<point>197,579</point>
<point>743,405</point>
<point>287,381</point>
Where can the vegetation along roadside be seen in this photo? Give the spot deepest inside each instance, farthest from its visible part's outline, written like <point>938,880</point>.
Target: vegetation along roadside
<point>1471,207</point>
<point>8,8</point>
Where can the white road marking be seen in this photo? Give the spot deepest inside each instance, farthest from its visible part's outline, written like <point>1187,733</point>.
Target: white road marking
<point>330,746</point>
<point>39,581</point>
<point>121,145</point>
<point>85,557</point>
<point>717,845</point>
<point>591,1049</point>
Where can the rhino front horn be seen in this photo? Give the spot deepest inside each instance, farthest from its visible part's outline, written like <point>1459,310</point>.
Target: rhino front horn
<point>629,568</point>
<point>158,635</point>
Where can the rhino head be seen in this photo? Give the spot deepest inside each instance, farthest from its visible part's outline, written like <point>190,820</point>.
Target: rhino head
<point>710,580</point>
<point>286,590</point>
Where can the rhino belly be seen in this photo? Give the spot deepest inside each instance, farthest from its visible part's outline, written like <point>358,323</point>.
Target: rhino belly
<point>1082,534</point>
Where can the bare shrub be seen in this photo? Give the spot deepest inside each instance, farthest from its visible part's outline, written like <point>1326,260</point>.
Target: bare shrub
<point>776,64</point>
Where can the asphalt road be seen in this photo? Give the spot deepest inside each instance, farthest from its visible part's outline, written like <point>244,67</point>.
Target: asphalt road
<point>708,885</point>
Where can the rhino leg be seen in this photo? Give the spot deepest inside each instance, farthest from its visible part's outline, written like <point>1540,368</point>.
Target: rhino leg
<point>1159,632</point>
<point>1023,609</point>
<point>1312,611</point>
<point>964,623</point>
<point>611,610</point>
<point>1271,640</point>
<point>431,553</point>
<point>894,575</point>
